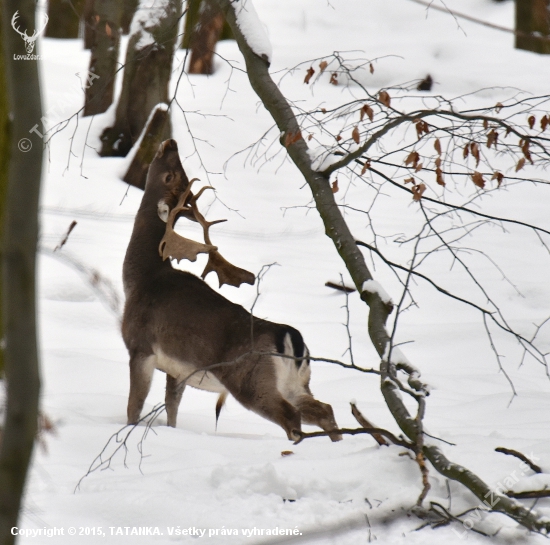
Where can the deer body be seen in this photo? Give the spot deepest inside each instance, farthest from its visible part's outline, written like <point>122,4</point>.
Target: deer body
<point>174,321</point>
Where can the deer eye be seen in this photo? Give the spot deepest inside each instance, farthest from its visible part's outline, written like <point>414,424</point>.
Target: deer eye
<point>168,178</point>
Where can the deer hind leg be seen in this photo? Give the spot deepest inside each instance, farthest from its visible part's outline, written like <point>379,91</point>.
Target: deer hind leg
<point>319,414</point>
<point>174,391</point>
<point>142,367</point>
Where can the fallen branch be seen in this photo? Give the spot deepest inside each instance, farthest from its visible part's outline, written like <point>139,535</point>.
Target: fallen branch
<point>521,456</point>
<point>357,431</point>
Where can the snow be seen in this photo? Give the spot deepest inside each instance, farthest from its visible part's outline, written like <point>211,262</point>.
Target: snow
<point>372,286</point>
<point>252,28</point>
<point>147,17</point>
<point>196,477</point>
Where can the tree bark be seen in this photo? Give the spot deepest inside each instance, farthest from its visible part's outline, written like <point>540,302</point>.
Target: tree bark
<point>192,21</point>
<point>148,146</point>
<point>20,233</point>
<point>533,25</point>
<point>104,58</point>
<point>64,18</point>
<point>344,242</point>
<point>129,9</point>
<point>147,73</point>
<point>5,132</point>
<point>205,36</point>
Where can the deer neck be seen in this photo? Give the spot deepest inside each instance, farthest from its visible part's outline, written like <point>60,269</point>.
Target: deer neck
<point>142,258</point>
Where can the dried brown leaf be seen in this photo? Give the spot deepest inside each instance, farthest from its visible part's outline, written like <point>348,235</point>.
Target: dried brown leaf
<point>521,164</point>
<point>439,177</point>
<point>309,74</point>
<point>466,151</point>
<point>478,179</point>
<point>355,135</point>
<point>384,98</point>
<point>418,191</point>
<point>368,111</point>
<point>438,162</point>
<point>485,124</point>
<point>418,167</point>
<point>366,167</point>
<point>335,187</point>
<point>544,122</point>
<point>492,138</point>
<point>334,78</point>
<point>524,144</point>
<point>410,180</point>
<point>474,150</point>
<point>371,68</point>
<point>531,120</point>
<point>412,158</point>
<point>498,107</point>
<point>322,66</point>
<point>498,176</point>
<point>437,146</point>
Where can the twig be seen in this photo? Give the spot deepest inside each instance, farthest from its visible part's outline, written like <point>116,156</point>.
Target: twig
<point>366,424</point>
<point>66,237</point>
<point>521,456</point>
<point>456,14</point>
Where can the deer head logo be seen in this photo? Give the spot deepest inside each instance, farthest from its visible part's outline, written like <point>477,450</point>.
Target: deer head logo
<point>29,40</point>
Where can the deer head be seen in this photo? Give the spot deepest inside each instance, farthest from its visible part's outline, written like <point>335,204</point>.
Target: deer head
<point>29,40</point>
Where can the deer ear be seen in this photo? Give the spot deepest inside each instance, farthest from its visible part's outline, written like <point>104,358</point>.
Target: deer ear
<point>227,273</point>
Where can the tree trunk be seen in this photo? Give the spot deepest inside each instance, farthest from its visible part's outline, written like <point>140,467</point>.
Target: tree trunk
<point>128,12</point>
<point>19,241</point>
<point>64,18</point>
<point>5,131</point>
<point>147,71</point>
<point>148,146</point>
<point>533,25</point>
<point>104,59</point>
<point>192,20</point>
<point>89,22</point>
<point>204,38</point>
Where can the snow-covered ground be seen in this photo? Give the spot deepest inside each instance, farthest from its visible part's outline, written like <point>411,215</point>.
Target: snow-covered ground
<point>196,483</point>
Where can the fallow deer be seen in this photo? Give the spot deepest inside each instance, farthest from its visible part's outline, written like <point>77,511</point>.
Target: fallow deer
<point>175,322</point>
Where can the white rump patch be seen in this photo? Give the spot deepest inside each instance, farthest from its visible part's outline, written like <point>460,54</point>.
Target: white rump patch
<point>163,211</point>
<point>292,377</point>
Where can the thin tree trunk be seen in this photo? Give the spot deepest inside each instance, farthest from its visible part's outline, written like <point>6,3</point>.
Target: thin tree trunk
<point>147,72</point>
<point>192,17</point>
<point>64,18</point>
<point>204,38</point>
<point>20,232</point>
<point>104,58</point>
<point>532,24</point>
<point>338,231</point>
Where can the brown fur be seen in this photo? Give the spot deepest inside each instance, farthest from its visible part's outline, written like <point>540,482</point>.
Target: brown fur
<point>174,321</point>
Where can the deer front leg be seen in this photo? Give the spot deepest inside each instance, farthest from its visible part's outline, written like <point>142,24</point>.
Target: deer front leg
<point>174,391</point>
<point>142,367</point>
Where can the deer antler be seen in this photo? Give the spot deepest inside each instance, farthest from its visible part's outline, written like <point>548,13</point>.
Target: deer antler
<point>174,245</point>
<point>227,272</point>
<point>178,247</point>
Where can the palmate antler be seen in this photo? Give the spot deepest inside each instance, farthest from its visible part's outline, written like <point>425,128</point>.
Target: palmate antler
<point>177,247</point>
